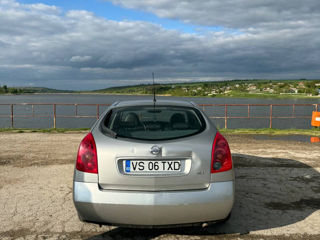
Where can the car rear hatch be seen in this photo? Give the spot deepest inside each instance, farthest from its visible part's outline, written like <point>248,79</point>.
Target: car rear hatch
<point>154,148</point>
<point>180,164</point>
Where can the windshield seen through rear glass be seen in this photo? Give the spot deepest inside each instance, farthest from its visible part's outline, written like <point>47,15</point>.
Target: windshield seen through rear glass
<point>154,123</point>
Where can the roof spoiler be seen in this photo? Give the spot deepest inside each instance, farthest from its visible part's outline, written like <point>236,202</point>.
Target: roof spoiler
<point>115,104</point>
<point>194,104</point>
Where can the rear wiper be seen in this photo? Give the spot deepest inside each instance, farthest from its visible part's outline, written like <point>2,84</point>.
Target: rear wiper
<point>109,131</point>
<point>154,111</point>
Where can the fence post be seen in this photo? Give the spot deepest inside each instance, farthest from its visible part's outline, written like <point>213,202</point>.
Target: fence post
<point>248,111</point>
<point>316,107</point>
<point>225,116</point>
<point>76,105</point>
<point>270,115</point>
<point>54,116</point>
<point>98,114</point>
<point>293,110</point>
<point>11,115</point>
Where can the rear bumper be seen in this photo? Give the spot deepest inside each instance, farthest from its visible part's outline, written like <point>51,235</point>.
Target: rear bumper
<point>153,208</point>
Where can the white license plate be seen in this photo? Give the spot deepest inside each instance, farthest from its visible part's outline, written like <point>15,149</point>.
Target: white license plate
<point>136,166</point>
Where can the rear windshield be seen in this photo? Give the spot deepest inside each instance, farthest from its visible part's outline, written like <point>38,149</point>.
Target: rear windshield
<point>153,123</point>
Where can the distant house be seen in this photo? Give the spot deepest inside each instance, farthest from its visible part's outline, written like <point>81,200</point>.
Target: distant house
<point>301,85</point>
<point>293,90</point>
<point>252,87</point>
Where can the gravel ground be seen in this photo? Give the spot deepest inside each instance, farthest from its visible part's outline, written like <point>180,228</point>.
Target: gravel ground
<point>277,192</point>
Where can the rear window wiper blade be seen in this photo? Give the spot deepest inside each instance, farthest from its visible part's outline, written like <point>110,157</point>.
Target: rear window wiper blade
<point>109,131</point>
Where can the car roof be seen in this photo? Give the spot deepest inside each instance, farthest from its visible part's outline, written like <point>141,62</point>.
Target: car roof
<point>150,102</point>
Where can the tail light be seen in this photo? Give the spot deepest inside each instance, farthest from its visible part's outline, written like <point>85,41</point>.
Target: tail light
<point>87,155</point>
<point>221,156</point>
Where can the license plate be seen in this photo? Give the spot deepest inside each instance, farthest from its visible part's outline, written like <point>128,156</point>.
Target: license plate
<point>138,166</point>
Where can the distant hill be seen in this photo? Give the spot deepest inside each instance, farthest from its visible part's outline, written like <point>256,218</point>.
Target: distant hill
<point>231,88</point>
<point>24,90</point>
<point>43,90</point>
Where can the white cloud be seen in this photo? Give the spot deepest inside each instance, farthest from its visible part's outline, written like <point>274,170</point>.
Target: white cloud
<point>231,13</point>
<point>80,58</point>
<point>39,7</point>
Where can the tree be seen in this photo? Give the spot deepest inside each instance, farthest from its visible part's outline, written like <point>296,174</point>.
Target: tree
<point>5,88</point>
<point>315,92</point>
<point>14,91</point>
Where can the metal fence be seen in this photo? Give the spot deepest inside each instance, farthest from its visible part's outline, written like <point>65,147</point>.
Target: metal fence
<point>53,115</point>
<point>269,114</point>
<point>224,112</point>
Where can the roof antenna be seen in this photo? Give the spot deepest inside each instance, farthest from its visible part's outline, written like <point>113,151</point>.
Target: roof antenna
<point>154,91</point>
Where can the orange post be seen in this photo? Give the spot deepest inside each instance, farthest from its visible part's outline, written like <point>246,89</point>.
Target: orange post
<point>315,121</point>
<point>314,139</point>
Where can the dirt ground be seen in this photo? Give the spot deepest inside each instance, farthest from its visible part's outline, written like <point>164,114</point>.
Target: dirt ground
<point>277,192</point>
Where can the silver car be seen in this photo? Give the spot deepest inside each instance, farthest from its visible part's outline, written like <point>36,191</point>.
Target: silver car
<point>153,164</point>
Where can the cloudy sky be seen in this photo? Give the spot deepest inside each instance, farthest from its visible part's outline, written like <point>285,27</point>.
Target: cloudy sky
<point>92,44</point>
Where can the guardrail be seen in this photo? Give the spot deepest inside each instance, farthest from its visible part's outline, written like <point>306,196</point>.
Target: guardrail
<point>54,115</point>
<point>249,106</point>
<point>204,107</point>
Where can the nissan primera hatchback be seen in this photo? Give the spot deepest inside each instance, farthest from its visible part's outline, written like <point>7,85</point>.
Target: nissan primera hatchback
<point>153,164</point>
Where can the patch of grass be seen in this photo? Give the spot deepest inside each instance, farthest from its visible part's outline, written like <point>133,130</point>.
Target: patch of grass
<point>235,94</point>
<point>273,131</point>
<point>269,131</point>
<point>45,130</point>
